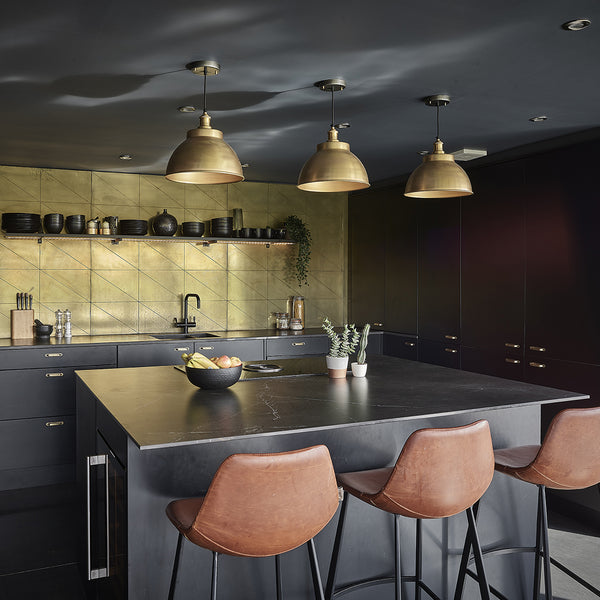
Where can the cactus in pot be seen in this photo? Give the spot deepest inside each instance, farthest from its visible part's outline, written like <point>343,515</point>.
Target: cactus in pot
<point>359,368</point>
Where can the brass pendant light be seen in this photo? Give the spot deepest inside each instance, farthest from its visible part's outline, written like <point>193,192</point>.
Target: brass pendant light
<point>438,176</point>
<point>204,157</point>
<point>333,168</point>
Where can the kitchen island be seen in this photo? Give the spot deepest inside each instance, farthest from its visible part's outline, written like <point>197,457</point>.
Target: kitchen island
<point>165,438</point>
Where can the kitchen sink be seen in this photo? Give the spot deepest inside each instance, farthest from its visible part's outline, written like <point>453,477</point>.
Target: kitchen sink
<point>178,336</point>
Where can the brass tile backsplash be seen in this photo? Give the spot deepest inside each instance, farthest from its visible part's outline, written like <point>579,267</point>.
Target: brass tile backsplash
<point>137,287</point>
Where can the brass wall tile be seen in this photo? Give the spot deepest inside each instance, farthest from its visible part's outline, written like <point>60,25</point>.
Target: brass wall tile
<point>317,309</point>
<point>114,318</point>
<point>247,285</point>
<point>212,316</point>
<point>252,197</point>
<point>5,309</point>
<point>206,197</point>
<point>157,316</point>
<point>281,284</point>
<point>65,254</point>
<point>161,256</point>
<point>64,285</point>
<point>80,315</point>
<point>209,285</point>
<point>202,258</point>
<point>19,254</point>
<point>198,214</point>
<point>114,286</point>
<point>65,209</point>
<point>160,286</point>
<point>247,314</point>
<point>6,206</point>
<point>158,192</point>
<point>247,257</point>
<point>17,280</point>
<point>123,211</point>
<point>282,258</point>
<point>60,186</point>
<point>121,256</point>
<point>117,189</point>
<point>19,186</point>
<point>290,200</point>
<point>325,284</point>
<point>332,205</point>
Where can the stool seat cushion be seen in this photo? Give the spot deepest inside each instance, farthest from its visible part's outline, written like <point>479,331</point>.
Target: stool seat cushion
<point>364,483</point>
<point>517,457</point>
<point>182,513</point>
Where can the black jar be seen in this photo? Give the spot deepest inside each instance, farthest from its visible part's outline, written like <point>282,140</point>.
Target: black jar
<point>164,224</point>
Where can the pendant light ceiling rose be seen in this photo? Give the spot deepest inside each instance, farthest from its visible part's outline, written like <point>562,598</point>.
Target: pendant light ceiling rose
<point>332,168</point>
<point>438,176</point>
<point>204,157</point>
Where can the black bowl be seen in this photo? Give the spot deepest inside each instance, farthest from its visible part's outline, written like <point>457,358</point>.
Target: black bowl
<point>53,223</point>
<point>75,224</point>
<point>192,228</point>
<point>213,379</point>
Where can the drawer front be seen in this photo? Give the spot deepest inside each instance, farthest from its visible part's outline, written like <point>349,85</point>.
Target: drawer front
<point>57,356</point>
<point>436,353</point>
<point>154,354</point>
<point>244,349</point>
<point>27,393</point>
<point>402,346</point>
<point>26,443</point>
<point>297,346</point>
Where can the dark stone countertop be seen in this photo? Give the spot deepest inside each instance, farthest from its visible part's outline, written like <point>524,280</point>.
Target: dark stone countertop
<point>158,407</point>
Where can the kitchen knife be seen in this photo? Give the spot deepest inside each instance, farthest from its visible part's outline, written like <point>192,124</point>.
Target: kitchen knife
<point>30,301</point>
<point>18,301</point>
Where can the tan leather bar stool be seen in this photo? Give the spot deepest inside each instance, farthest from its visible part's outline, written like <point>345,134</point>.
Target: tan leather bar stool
<point>260,505</point>
<point>439,473</point>
<point>567,459</point>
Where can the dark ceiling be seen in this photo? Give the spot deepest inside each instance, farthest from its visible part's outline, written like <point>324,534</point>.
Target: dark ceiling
<point>82,82</point>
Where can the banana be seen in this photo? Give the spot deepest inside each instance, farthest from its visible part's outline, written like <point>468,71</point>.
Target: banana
<point>198,361</point>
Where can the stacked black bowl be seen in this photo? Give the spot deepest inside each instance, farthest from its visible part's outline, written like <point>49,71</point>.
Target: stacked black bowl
<point>75,224</point>
<point>221,227</point>
<point>133,226</point>
<point>192,229</point>
<point>53,223</point>
<point>21,223</point>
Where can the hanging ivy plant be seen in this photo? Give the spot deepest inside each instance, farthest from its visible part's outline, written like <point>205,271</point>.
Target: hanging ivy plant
<point>298,231</point>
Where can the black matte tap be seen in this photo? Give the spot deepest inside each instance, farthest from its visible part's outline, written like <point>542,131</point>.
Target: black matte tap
<point>186,322</point>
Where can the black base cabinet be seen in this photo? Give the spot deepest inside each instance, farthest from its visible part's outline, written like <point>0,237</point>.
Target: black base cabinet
<point>439,353</point>
<point>508,365</point>
<point>402,346</point>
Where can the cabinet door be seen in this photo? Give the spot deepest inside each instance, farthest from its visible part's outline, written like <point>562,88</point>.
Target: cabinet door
<point>289,347</point>
<point>493,260</point>
<point>366,247</point>
<point>438,353</point>
<point>244,349</point>
<point>401,237</point>
<point>402,346</point>
<point>439,269</point>
<point>563,255</point>
<point>154,353</point>
<point>498,364</point>
<point>57,355</point>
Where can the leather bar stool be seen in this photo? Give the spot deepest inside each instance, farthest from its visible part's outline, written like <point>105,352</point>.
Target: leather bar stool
<point>439,473</point>
<point>567,459</point>
<point>260,505</point>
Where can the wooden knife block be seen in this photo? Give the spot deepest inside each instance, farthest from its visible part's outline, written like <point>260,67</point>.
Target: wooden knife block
<point>21,324</point>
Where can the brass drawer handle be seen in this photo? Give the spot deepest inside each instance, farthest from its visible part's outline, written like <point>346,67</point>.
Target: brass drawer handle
<point>181,349</point>
<point>512,361</point>
<point>378,324</point>
<point>54,423</point>
<point>410,344</point>
<point>537,348</point>
<point>509,345</point>
<point>451,350</point>
<point>451,337</point>
<point>207,347</point>
<point>538,365</point>
<point>298,343</point>
<point>54,374</point>
<point>53,354</point>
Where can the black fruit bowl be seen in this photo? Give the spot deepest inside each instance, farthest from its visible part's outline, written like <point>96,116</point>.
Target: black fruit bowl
<point>213,379</point>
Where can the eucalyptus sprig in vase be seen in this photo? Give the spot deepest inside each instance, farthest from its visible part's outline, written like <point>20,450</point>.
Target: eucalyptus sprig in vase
<point>341,345</point>
<point>359,368</point>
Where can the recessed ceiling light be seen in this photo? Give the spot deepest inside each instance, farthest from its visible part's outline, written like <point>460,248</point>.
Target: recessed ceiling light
<point>125,156</point>
<point>422,152</point>
<point>538,119</point>
<point>245,165</point>
<point>465,154</point>
<point>186,109</point>
<point>576,25</point>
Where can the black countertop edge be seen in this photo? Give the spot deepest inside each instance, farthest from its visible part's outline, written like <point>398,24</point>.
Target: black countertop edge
<point>145,338</point>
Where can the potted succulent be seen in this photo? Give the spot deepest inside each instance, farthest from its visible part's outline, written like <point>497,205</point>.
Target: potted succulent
<point>359,368</point>
<point>341,345</point>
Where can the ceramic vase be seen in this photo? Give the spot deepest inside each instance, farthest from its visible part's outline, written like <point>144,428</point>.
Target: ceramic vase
<point>359,370</point>
<point>337,366</point>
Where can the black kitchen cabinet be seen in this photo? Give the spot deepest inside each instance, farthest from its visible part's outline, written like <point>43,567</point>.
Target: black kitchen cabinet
<point>439,270</point>
<point>402,346</point>
<point>292,346</point>
<point>244,349</point>
<point>440,353</point>
<point>563,255</point>
<point>489,362</point>
<point>154,353</point>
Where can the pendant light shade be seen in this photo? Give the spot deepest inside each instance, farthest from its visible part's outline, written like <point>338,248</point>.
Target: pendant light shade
<point>438,176</point>
<point>333,168</point>
<point>204,157</point>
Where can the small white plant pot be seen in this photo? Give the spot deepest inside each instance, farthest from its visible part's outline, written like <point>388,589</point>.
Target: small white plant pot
<point>359,370</point>
<point>337,366</point>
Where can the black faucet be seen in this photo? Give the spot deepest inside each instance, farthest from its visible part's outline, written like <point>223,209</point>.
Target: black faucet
<point>186,323</point>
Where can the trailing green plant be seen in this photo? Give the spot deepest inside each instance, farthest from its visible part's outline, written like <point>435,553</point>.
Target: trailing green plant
<point>341,344</point>
<point>361,357</point>
<point>299,232</point>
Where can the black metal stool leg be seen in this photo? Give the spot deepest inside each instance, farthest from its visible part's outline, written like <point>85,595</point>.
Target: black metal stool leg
<point>546,542</point>
<point>175,567</point>
<point>418,561</point>
<point>484,589</point>
<point>464,561</point>
<point>398,582</point>
<point>538,548</point>
<point>278,575</point>
<point>314,567</point>
<point>330,588</point>
<point>213,585</point>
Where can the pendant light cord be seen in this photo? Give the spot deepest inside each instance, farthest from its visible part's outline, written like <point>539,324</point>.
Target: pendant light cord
<point>437,126</point>
<point>204,108</point>
<point>332,110</point>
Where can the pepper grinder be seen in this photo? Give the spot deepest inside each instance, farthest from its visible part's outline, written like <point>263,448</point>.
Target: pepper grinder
<point>67,315</point>
<point>58,328</point>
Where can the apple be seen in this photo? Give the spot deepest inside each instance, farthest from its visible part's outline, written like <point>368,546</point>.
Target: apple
<point>224,362</point>
<point>235,361</point>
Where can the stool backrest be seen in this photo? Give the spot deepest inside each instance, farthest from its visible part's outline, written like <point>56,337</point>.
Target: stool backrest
<point>440,472</point>
<point>266,504</point>
<point>570,454</point>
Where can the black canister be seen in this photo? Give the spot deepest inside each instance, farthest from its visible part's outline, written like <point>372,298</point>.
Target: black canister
<point>164,224</point>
